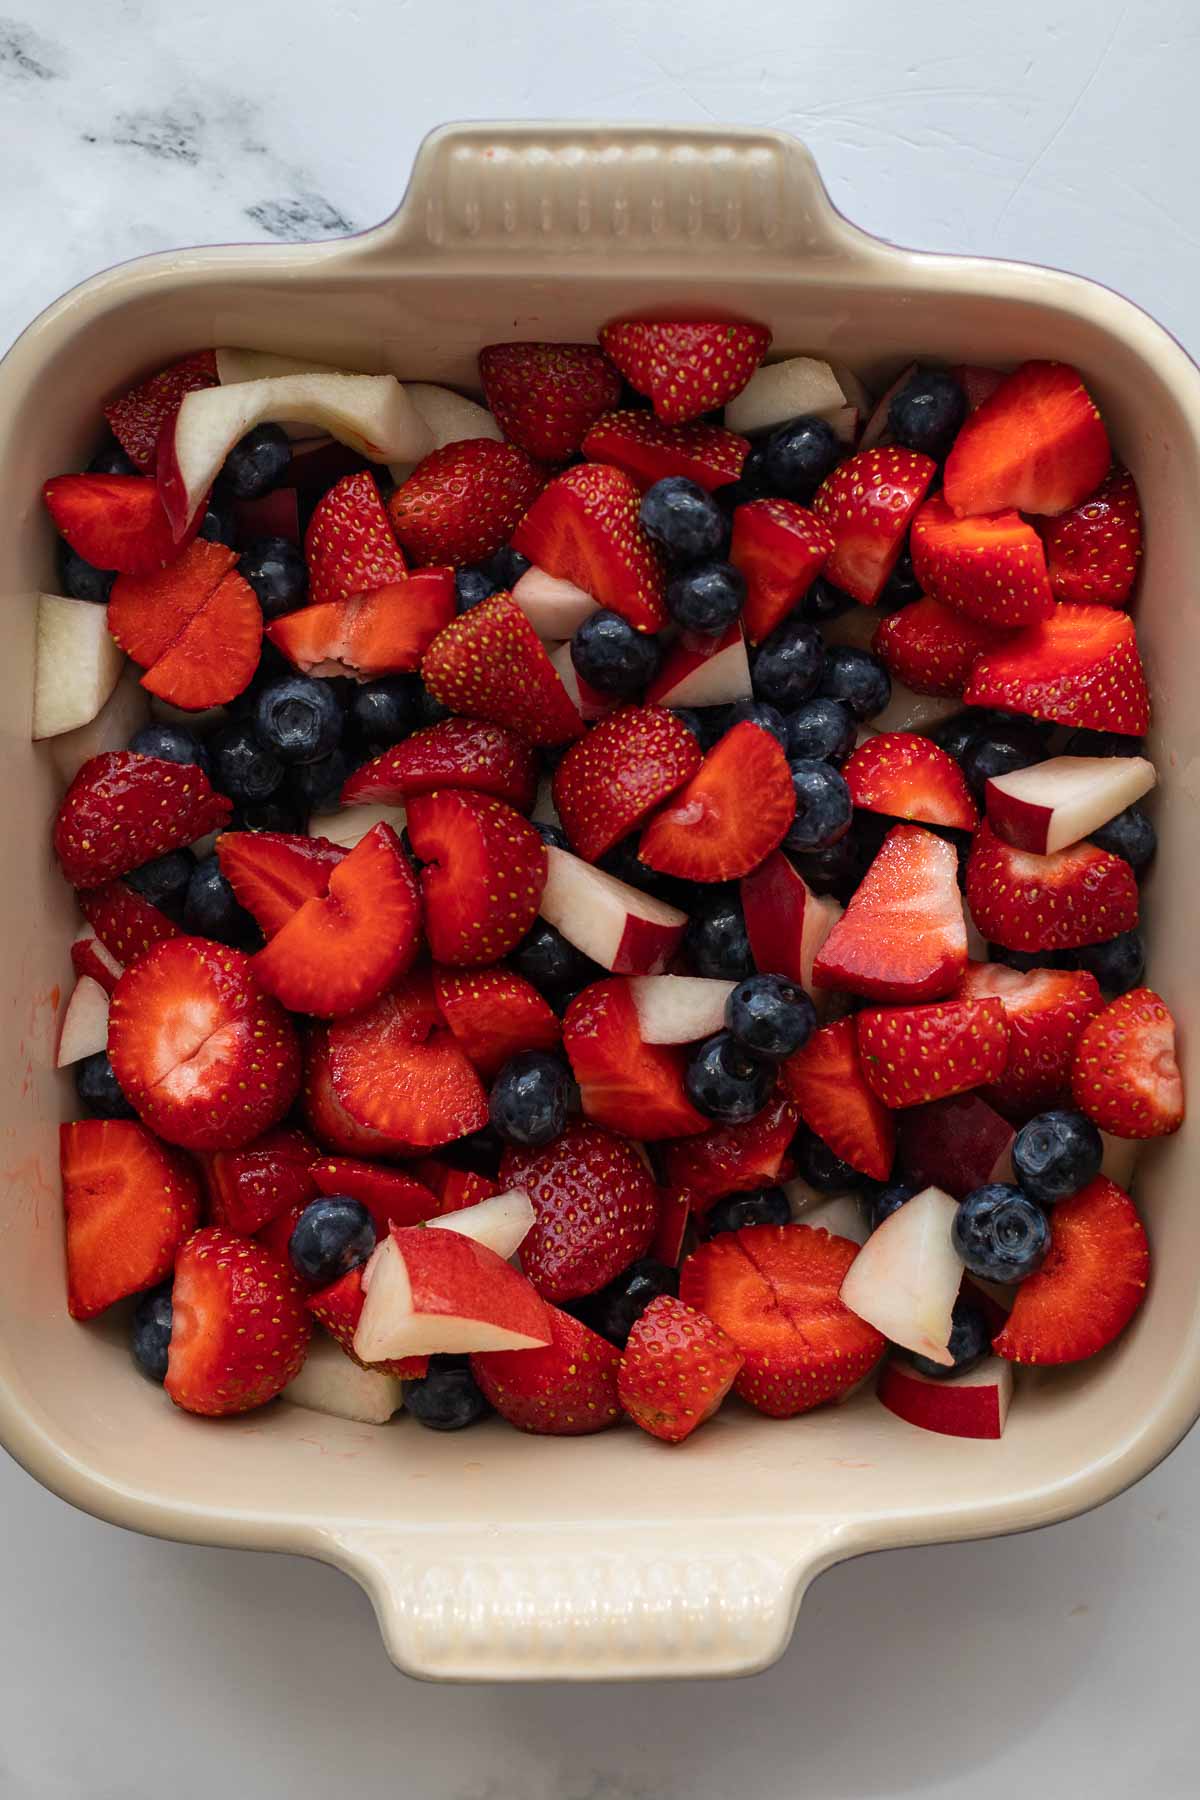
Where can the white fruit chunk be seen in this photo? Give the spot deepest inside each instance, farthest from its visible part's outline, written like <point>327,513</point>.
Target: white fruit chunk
<point>330,1383</point>
<point>78,665</point>
<point>782,391</point>
<point>347,827</point>
<point>85,935</point>
<point>125,712</point>
<point>590,703</point>
<point>1054,804</point>
<point>678,1009</point>
<point>906,711</point>
<point>697,672</point>
<point>501,1223</point>
<point>85,1023</point>
<point>235,366</point>
<point>841,1215</point>
<point>1120,1159</point>
<point>438,1292</point>
<point>906,1277</point>
<point>973,1405</point>
<point>624,930</point>
<point>450,416</point>
<point>555,608</point>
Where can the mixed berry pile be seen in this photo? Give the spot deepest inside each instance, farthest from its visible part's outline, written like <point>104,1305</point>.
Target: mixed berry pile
<point>619,892</point>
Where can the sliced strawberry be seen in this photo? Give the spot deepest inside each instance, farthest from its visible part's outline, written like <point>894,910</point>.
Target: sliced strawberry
<point>461,502</point>
<point>454,1188</point>
<point>932,648</point>
<point>913,1054</point>
<point>595,1206</point>
<point>686,368</point>
<point>390,1197</point>
<point>455,753</point>
<point>676,1370</point>
<point>781,548</point>
<point>485,868</point>
<point>647,449</point>
<point>125,923</point>
<point>868,504</point>
<point>350,546</point>
<point>729,1159</point>
<point>625,1084</point>
<point>115,521</point>
<point>216,653</point>
<point>566,1389</point>
<point>1092,551</point>
<point>239,1331</point>
<point>990,567</point>
<point>123,809</point>
<point>248,1188</point>
<point>733,812</point>
<point>584,527</point>
<point>908,776</point>
<point>831,1093</point>
<point>1083,895</point>
<point>495,1013</point>
<point>903,936</point>
<point>491,664</point>
<point>129,1204</point>
<point>775,1290</point>
<point>628,763</point>
<point>273,873</point>
<point>1089,1287</point>
<point>328,1119</point>
<point>339,1307</point>
<point>137,418</point>
<point>385,632</point>
<point>1037,444</point>
<point>398,1071</point>
<point>147,613</point>
<point>1125,1075</point>
<point>545,396</point>
<point>1047,1010</point>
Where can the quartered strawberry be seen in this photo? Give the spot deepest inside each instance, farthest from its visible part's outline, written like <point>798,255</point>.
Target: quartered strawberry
<point>129,1203</point>
<point>137,418</point>
<point>491,664</point>
<point>350,546</point>
<point>390,1196</point>
<point>125,923</point>
<point>868,503</point>
<point>1079,667</point>
<point>1023,901</point>
<point>339,1307</point>
<point>625,1084</point>
<point>992,567</point>
<point>239,1330</point>
<point>1092,551</point>
<point>1047,1010</point>
<point>455,753</point>
<point>115,521</point>
<point>324,1113</point>
<point>248,1188</point>
<point>595,1206</point>
<point>545,396</point>
<point>567,1388</point>
<point>1125,1075</point>
<point>208,1059</point>
<point>273,873</point>
<point>775,1290</point>
<point>912,1054</point>
<point>397,1070</point>
<point>908,776</point>
<point>628,763</point>
<point>733,812</point>
<point>123,809</point>
<point>461,502</point>
<point>648,449</point>
<point>903,936</point>
<point>686,368</point>
<point>485,868</point>
<point>729,1159</point>
<point>781,548</point>
<point>195,626</point>
<point>584,527</point>
<point>385,632</point>
<point>1037,444</point>
<point>676,1369</point>
<point>829,1090</point>
<point>495,1014</point>
<point>454,1188</point>
<point>1089,1287</point>
<point>932,648</point>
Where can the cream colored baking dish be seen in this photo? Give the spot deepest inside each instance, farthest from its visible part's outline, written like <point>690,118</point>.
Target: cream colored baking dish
<point>493,1555</point>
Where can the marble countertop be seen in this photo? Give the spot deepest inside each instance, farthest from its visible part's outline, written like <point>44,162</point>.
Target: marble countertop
<point>1059,130</point>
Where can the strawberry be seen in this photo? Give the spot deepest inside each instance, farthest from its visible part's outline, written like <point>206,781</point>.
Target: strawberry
<point>775,1290</point>
<point>868,503</point>
<point>625,1084</point>
<point>595,1206</point>
<point>273,873</point>
<point>733,812</point>
<point>545,396</point>
<point>350,546</point>
<point>398,1071</point>
<point>1037,444</point>
<point>674,1214</point>
<point>932,648</point>
<point>339,1307</point>
<point>338,952</point>
<point>686,368</point>
<point>491,664</point>
<point>115,521</point>
<point>123,809</point>
<point>239,1331</point>
<point>129,1204</point>
<point>1047,1010</point>
<point>903,936</point>
<point>566,1389</point>
<point>125,923</point>
<point>647,449</point>
<point>584,527</point>
<point>781,548</point>
<point>454,1188</point>
<point>461,502</point>
<point>248,1188</point>
<point>1092,551</point>
<point>831,1093</point>
<point>729,1159</point>
<point>1079,667</point>
<point>992,568</point>
<point>908,776</point>
<point>1089,1287</point>
<point>1083,895</point>
<point>196,626</point>
<point>455,753</point>
<point>392,1198</point>
<point>328,1119</point>
<point>485,868</point>
<point>385,632</point>
<point>89,957</point>
<point>137,418</point>
<point>628,763</point>
<point>495,1013</point>
<point>676,1370</point>
<point>1125,1075</point>
<point>912,1054</point>
<point>208,1059</point>
<point>146,613</point>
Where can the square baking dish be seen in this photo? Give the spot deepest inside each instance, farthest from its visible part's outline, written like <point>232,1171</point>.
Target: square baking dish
<point>498,1556</point>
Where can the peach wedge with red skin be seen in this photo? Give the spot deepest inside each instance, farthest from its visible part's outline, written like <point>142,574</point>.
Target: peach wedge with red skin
<point>785,921</point>
<point>972,1405</point>
<point>618,926</point>
<point>906,1277</point>
<point>441,1292</point>
<point>1054,804</point>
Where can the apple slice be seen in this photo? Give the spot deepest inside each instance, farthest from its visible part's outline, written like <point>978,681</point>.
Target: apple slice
<point>783,390</point>
<point>439,1292</point>
<point>330,1383</point>
<point>619,927</point>
<point>906,711</point>
<point>703,671</point>
<point>854,389</point>
<point>347,827</point>
<point>499,1223</point>
<point>973,1405</point>
<point>85,1023</point>
<point>875,431</point>
<point>957,1144</point>
<point>235,366</point>
<point>124,712</point>
<point>786,922</point>
<point>906,1277</point>
<point>1120,1159</point>
<point>90,957</point>
<point>845,421</point>
<point>678,1009</point>
<point>841,1215</point>
<point>555,608</point>
<point>592,704</point>
<point>77,664</point>
<point>1054,804</point>
<point>855,627</point>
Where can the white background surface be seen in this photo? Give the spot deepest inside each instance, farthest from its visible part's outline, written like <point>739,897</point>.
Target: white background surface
<point>1064,1663</point>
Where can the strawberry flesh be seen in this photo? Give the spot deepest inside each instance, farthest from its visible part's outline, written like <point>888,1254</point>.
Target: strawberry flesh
<point>123,809</point>
<point>730,1159</point>
<point>676,1369</point>
<point>629,763</point>
<point>398,1071</point>
<point>1091,1284</point>
<point>567,1388</point>
<point>1082,895</point>
<point>595,1207</point>
<point>868,503</point>
<point>1125,1075</point>
<point>495,1014</point>
<point>827,1086</point>
<point>686,368</point>
<point>992,568</point>
<point>248,1188</point>
<point>115,521</point>
<point>239,1329</point>
<point>485,868</point>
<point>1047,1010</point>
<point>455,753</point>
<point>546,396</point>
<point>461,503</point>
<point>903,936</point>
<point>273,873</point>
<point>328,1119</point>
<point>1080,667</point>
<point>584,528</point>
<point>137,418</point>
<point>648,450</point>
<point>914,1054</point>
<point>780,547</point>
<point>1092,551</point>
<point>491,664</point>
<point>385,632</point>
<point>129,1204</point>
<point>624,1084</point>
<point>932,648</point>
<point>147,613</point>
<point>1037,444</point>
<point>734,811</point>
<point>215,655</point>
<point>390,1197</point>
<point>909,777</point>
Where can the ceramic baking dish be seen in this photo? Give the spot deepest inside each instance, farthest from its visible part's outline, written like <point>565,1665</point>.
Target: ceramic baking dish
<point>494,1555</point>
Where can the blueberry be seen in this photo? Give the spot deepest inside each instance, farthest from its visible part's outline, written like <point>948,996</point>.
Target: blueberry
<point>683,520</point>
<point>786,667</point>
<point>818,1165</point>
<point>211,910</point>
<point>901,587</point>
<point>332,1236</point>
<point>432,710</point>
<point>278,573</point>
<point>1000,1234</point>
<point>616,1308</point>
<point>258,462</point>
<point>956,735</point>
<point>928,412</point>
<point>507,567</point>
<point>550,833</point>
<point>218,523</point>
<point>886,1198</point>
<point>1118,963</point>
<point>448,1397</point>
<point>998,752</point>
<point>99,1090</point>
<point>545,958</point>
<point>821,731</point>
<point>753,482</point>
<point>1024,960</point>
<point>716,939</point>
<point>163,881</point>
<point>770,1016</point>
<point>757,712</point>
<point>1056,1154</point>
<point>799,455</point>
<point>267,815</point>
<point>243,768</point>
<point>386,711</point>
<point>171,743</point>
<point>726,1083</point>
<point>823,806</point>
<point>110,459</point>
<point>624,862</point>
<point>83,580</point>
<point>1131,835</point>
<point>317,786</point>
<point>530,1098</point>
<point>708,598</point>
<point>298,719</point>
<point>760,1206</point>
<point>824,601</point>
<point>858,678</point>
<point>150,1332</point>
<point>696,723</point>
<point>480,1151</point>
<point>611,656</point>
<point>1086,742</point>
<point>970,1341</point>
<point>471,586</point>
<point>835,869</point>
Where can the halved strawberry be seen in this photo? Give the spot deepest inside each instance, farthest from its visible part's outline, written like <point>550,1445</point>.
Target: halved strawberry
<point>991,567</point>
<point>392,1198</point>
<point>115,521</point>
<point>596,1209</point>
<point>208,1059</point>
<point>1047,1010</point>
<point>1125,1075</point>
<point>350,546</point>
<point>146,613</point>
<point>125,923</point>
<point>137,418</point>
<point>775,1290</point>
<point>461,502</point>
<point>385,632</point>
<point>1083,895</point>
<point>912,1054</point>
<point>932,648</point>
<point>324,1113</point>
<point>868,504</point>
<point>625,1084</point>
<point>908,776</point>
<point>239,1331</point>
<point>454,1188</point>
<point>129,1204</point>
<point>1089,1287</point>
<point>827,1085</point>
<point>1092,551</point>
<point>686,368</point>
<point>339,951</point>
<point>781,548</point>
<point>123,809</point>
<point>628,763</point>
<point>485,868</point>
<point>455,753</point>
<point>584,527</point>
<point>903,936</point>
<point>206,644</point>
<point>647,449</point>
<point>248,1188</point>
<point>339,1307</point>
<point>733,812</point>
<point>568,1388</point>
<point>729,1159</point>
<point>491,664</point>
<point>395,1069</point>
<point>1037,444</point>
<point>676,1369</point>
<point>273,873</point>
<point>545,396</point>
<point>495,1013</point>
